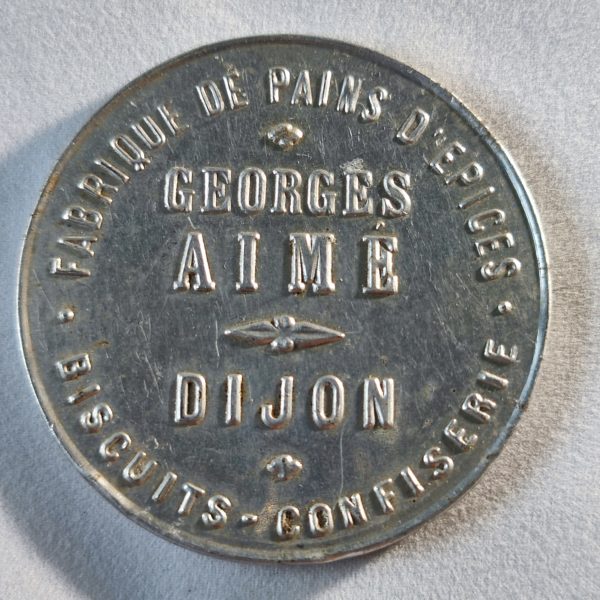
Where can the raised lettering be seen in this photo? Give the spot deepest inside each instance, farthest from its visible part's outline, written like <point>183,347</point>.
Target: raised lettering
<point>324,88</point>
<point>320,519</point>
<point>149,133</point>
<point>111,448</point>
<point>459,437</point>
<point>92,421</point>
<point>97,188</point>
<point>169,118</point>
<point>442,465</point>
<point>165,487</point>
<point>478,407</point>
<point>286,525</point>
<point>491,380</point>
<point>475,224</point>
<point>190,398</point>
<point>349,93</point>
<point>470,174</point>
<point>275,418</point>
<point>233,405</point>
<point>327,402</point>
<point>372,111</point>
<point>414,127</point>
<point>70,269</point>
<point>312,260</point>
<point>246,282</point>
<point>411,481</point>
<point>130,152</point>
<point>236,97</point>
<point>191,493</point>
<point>378,403</point>
<point>75,367</point>
<point>279,77</point>
<point>358,200</point>
<point>82,217</point>
<point>216,516</point>
<point>397,202</point>
<point>509,267</point>
<point>384,496</point>
<point>352,510</point>
<point>217,198</point>
<point>138,469</point>
<point>478,196</point>
<point>178,195</point>
<point>320,202</point>
<point>381,279</point>
<point>494,243</point>
<point>497,353</point>
<point>287,182</point>
<point>80,245</point>
<point>302,91</point>
<point>446,156</point>
<point>84,394</point>
<point>194,271</point>
<point>210,98</point>
<point>252,190</point>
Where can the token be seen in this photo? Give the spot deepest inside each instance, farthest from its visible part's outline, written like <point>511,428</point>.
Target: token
<point>283,298</point>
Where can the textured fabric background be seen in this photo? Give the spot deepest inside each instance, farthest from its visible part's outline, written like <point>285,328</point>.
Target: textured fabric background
<point>529,70</point>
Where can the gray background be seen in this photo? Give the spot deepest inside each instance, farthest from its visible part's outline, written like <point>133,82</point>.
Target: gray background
<point>530,528</point>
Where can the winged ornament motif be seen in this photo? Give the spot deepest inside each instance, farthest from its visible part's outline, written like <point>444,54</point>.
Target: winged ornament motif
<point>283,334</point>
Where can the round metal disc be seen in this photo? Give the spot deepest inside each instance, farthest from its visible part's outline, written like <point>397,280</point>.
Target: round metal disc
<point>283,299</point>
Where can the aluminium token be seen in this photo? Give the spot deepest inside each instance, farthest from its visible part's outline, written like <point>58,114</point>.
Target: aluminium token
<point>283,298</point>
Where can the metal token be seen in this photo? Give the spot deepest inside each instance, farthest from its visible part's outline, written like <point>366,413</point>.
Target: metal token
<point>283,299</point>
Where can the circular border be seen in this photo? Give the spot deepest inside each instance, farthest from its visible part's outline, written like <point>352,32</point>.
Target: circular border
<point>145,517</point>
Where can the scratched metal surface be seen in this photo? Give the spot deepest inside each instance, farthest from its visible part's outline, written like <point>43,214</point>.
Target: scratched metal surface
<point>418,331</point>
<point>529,526</point>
